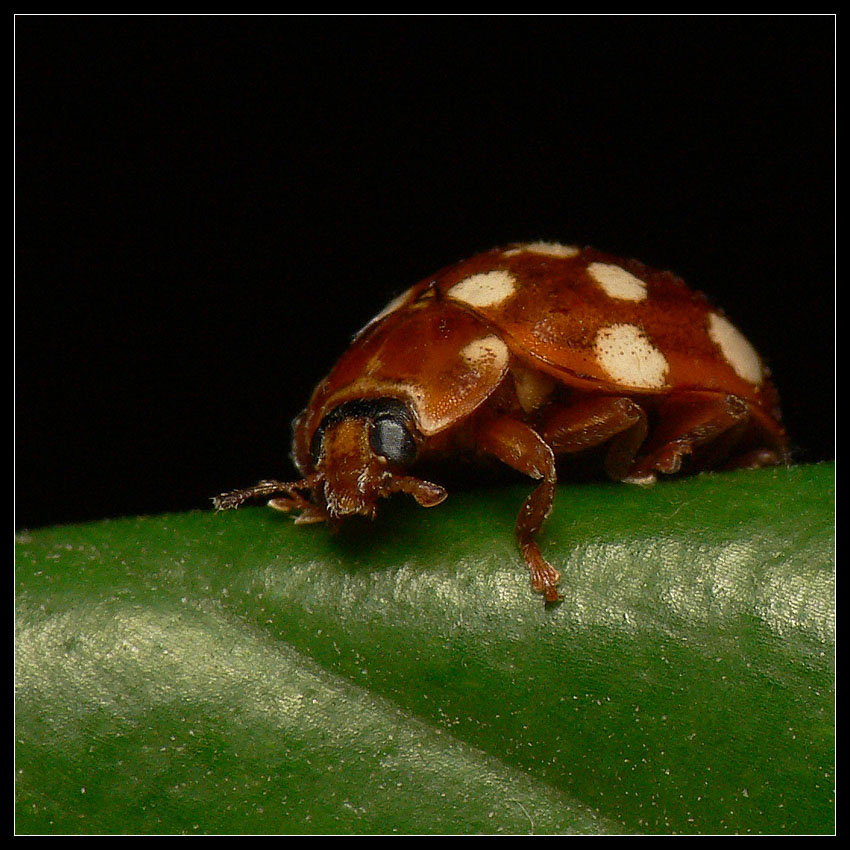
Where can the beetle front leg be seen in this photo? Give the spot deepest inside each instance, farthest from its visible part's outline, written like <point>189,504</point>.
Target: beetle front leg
<point>523,449</point>
<point>288,495</point>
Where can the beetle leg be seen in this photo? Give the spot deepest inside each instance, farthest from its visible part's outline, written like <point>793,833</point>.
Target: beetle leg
<point>308,512</point>
<point>523,449</point>
<point>687,421</point>
<point>292,499</point>
<point>594,421</point>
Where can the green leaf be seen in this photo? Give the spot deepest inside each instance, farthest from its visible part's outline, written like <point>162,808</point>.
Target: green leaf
<point>235,673</point>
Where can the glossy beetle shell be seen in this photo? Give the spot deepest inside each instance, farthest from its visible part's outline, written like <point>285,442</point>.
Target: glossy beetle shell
<point>526,354</point>
<point>540,305</point>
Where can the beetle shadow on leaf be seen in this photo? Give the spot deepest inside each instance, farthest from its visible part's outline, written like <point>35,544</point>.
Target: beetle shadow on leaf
<point>456,530</point>
<point>398,530</point>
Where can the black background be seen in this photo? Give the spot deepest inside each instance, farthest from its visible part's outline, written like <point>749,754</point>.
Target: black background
<point>208,207</point>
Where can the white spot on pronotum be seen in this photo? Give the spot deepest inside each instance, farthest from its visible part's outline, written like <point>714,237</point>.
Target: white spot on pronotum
<point>547,249</point>
<point>617,282</point>
<point>488,354</point>
<point>484,290</point>
<point>627,355</point>
<point>740,355</point>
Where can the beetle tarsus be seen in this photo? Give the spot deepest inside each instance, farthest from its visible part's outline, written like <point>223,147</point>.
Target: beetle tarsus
<point>544,577</point>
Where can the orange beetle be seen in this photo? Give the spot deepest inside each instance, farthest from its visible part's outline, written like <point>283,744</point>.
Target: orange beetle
<point>524,354</point>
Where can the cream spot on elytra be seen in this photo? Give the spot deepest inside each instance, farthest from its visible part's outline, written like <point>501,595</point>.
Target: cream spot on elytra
<point>484,290</point>
<point>736,348</point>
<point>617,282</point>
<point>547,249</point>
<point>627,355</point>
<point>488,354</point>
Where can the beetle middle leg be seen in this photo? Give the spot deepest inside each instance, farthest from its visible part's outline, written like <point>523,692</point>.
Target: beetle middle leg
<point>524,450</point>
<point>712,422</point>
<point>596,420</point>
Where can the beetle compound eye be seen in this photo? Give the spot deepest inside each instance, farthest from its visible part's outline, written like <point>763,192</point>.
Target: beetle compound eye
<point>387,419</point>
<point>392,440</point>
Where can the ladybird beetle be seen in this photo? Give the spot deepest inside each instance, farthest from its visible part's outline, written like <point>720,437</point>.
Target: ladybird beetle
<point>525,354</point>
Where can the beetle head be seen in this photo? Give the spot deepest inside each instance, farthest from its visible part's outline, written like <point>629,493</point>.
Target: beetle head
<point>361,452</point>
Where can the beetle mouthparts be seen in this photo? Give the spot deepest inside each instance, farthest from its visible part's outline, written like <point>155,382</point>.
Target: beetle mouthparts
<point>339,507</point>
<point>426,493</point>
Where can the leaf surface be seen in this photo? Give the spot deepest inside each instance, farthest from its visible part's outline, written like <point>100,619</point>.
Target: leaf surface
<point>235,673</point>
